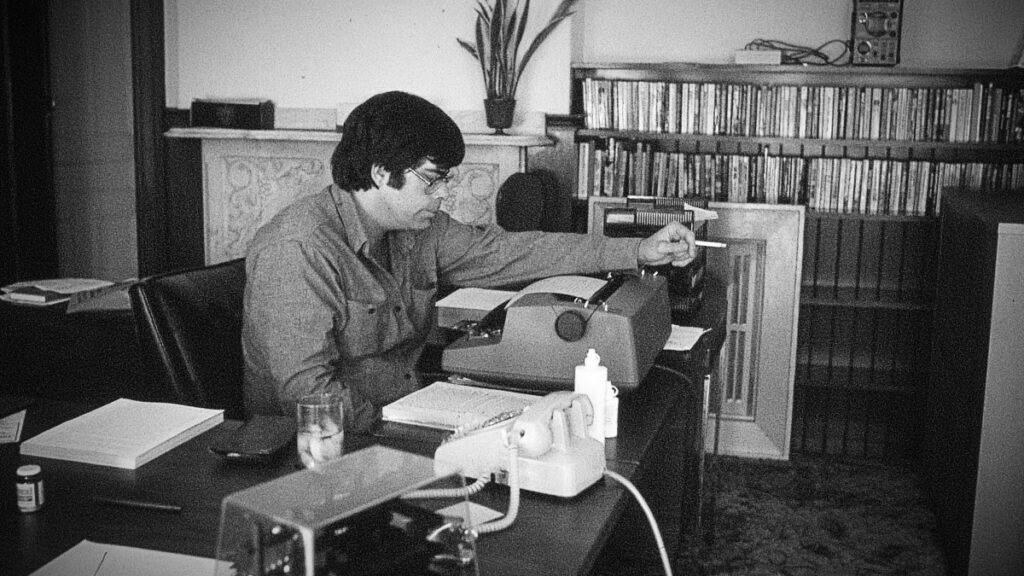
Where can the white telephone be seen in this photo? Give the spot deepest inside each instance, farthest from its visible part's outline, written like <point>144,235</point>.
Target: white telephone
<point>554,454</point>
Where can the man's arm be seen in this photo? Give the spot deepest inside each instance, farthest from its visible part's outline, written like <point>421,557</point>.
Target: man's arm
<point>471,256</point>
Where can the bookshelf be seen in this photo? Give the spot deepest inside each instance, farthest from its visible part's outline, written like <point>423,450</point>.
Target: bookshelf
<point>868,152</point>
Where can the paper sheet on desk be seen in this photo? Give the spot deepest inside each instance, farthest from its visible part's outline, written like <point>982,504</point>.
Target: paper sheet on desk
<point>11,426</point>
<point>94,559</point>
<point>682,338</point>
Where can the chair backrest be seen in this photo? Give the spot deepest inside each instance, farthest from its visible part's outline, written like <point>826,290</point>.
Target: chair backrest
<point>531,201</point>
<point>189,324</point>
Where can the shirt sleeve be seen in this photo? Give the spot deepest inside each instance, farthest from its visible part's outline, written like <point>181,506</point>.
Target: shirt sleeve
<point>290,313</point>
<point>491,256</point>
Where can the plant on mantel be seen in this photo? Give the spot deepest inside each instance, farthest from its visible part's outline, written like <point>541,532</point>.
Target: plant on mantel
<point>500,26</point>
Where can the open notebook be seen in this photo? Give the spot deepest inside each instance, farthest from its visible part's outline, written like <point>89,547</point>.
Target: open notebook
<point>456,407</point>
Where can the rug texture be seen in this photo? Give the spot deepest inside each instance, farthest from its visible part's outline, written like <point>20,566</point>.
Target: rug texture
<point>815,515</point>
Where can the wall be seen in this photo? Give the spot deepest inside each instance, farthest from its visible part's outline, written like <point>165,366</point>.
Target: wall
<point>936,33</point>
<point>93,149</point>
<point>321,53</point>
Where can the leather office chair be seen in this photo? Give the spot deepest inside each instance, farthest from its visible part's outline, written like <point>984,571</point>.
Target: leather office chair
<point>531,201</point>
<point>189,324</point>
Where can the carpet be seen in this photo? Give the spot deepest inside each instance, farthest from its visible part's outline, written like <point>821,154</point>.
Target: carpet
<point>815,515</point>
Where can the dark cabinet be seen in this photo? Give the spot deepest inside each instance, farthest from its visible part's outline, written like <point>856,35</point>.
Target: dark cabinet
<point>974,440</point>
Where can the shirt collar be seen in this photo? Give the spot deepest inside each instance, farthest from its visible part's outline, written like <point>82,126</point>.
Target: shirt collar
<point>352,225</point>
<point>355,233</point>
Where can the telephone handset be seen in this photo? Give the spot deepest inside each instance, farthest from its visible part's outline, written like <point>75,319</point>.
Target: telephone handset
<point>555,455</point>
<point>552,423</point>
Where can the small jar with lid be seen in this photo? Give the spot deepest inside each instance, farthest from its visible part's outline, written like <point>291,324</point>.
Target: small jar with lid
<point>30,488</point>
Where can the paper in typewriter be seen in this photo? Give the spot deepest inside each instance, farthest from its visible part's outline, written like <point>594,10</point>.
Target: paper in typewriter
<point>582,287</point>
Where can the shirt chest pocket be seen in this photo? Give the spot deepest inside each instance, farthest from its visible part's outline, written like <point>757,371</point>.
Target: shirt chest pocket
<point>369,328</point>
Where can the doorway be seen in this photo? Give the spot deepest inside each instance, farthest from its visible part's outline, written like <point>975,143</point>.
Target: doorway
<point>93,138</point>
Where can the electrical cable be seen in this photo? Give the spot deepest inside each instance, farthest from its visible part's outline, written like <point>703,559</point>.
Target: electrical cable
<point>796,54</point>
<point>449,492</point>
<point>673,371</point>
<point>662,552</point>
<point>513,496</point>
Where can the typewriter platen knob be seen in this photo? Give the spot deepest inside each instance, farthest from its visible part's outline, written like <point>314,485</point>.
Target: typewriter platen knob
<point>570,325</point>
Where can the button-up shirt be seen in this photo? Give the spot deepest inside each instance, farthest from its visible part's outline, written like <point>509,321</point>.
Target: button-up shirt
<point>321,314</point>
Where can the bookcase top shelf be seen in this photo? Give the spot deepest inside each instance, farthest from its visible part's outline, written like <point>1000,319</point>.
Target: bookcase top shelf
<point>799,75</point>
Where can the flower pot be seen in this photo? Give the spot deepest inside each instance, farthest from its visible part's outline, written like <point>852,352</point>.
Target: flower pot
<point>499,113</point>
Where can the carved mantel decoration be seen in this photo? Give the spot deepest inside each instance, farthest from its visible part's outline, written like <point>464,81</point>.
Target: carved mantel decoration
<point>250,175</point>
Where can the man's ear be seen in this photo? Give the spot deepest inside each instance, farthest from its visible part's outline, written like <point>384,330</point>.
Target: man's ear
<point>379,175</point>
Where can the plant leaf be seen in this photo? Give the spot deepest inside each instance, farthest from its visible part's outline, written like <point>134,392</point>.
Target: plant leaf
<point>482,56</point>
<point>500,30</point>
<point>563,11</point>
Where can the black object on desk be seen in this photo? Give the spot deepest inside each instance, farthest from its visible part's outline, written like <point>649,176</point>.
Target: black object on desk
<point>136,504</point>
<point>259,439</point>
<point>89,356</point>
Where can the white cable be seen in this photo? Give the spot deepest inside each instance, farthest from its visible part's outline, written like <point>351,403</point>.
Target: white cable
<point>449,492</point>
<point>513,496</point>
<point>650,517</point>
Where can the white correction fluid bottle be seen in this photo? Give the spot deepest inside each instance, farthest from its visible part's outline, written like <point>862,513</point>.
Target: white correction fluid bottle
<point>592,380</point>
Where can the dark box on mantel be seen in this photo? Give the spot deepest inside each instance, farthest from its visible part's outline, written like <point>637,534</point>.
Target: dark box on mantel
<point>246,114</point>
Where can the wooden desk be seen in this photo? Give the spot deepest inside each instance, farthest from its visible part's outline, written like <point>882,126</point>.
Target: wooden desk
<point>89,356</point>
<point>550,536</point>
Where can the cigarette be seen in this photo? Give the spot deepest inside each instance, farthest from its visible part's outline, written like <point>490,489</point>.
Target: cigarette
<point>710,244</point>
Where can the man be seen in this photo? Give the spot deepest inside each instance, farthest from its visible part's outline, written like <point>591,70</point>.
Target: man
<point>341,285</point>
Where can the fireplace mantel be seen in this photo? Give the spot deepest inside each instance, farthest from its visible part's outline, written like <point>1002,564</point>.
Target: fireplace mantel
<point>250,175</point>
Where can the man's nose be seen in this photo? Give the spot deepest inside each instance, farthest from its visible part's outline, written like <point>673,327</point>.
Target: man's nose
<point>441,191</point>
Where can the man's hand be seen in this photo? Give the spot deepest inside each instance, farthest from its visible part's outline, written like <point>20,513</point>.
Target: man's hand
<point>674,243</point>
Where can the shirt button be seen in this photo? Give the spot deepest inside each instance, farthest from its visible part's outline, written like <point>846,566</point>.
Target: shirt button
<point>408,376</point>
<point>398,308</point>
<point>371,310</point>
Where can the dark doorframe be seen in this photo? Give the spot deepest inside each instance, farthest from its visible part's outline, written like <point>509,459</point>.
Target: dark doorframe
<point>149,98</point>
<point>28,218</point>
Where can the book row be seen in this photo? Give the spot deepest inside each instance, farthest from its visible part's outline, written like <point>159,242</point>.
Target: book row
<point>845,185</point>
<point>983,113</point>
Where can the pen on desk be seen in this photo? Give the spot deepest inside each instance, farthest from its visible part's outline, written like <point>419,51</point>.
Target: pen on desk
<point>137,504</point>
<point>710,244</point>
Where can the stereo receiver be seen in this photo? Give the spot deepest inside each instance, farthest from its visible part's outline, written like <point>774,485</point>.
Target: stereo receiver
<point>875,34</point>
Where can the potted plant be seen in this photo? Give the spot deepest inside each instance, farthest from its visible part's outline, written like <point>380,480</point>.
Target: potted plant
<point>500,27</point>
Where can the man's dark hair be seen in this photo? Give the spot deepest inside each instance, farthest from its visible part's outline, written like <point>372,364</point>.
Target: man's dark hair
<point>396,130</point>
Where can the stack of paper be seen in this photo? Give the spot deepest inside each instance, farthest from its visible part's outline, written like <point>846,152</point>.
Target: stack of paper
<point>123,434</point>
<point>45,292</point>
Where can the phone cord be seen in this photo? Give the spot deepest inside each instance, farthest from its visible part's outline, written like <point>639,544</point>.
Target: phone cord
<point>449,492</point>
<point>650,518</point>
<point>513,496</point>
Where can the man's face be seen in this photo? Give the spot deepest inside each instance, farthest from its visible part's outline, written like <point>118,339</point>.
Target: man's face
<point>414,205</point>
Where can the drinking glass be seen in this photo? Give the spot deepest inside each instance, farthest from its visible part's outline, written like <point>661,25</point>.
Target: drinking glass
<point>321,430</point>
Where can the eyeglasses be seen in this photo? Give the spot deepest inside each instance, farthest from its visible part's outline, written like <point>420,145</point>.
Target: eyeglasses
<point>434,183</point>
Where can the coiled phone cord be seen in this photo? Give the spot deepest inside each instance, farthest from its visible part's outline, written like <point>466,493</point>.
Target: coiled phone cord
<point>513,496</point>
<point>449,492</point>
<point>513,486</point>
